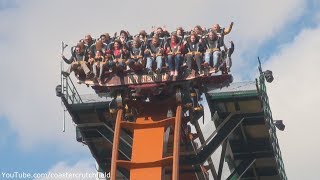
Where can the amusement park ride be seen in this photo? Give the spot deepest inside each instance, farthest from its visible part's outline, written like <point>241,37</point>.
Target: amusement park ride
<point>150,127</point>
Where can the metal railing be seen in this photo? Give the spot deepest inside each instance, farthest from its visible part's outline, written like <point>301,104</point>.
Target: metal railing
<point>69,90</point>
<point>269,122</point>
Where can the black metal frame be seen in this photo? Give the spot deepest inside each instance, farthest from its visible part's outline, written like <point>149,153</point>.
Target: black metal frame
<point>217,137</point>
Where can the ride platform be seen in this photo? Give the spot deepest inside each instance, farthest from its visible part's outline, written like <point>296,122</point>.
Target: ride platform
<point>131,79</point>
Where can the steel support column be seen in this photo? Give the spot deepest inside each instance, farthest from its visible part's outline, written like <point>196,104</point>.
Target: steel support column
<point>115,147</point>
<point>223,153</point>
<point>202,141</point>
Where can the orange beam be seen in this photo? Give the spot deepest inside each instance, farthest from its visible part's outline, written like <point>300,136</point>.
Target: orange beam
<point>115,146</point>
<point>147,148</point>
<point>147,160</point>
<point>176,144</point>
<point>147,124</point>
<point>134,165</point>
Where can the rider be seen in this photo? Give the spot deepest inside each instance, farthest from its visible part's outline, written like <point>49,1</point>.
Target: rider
<point>194,50</point>
<point>212,46</point>
<point>135,61</point>
<point>99,63</point>
<point>180,33</point>
<point>219,31</point>
<point>160,32</point>
<point>124,37</point>
<point>143,37</point>
<point>88,42</point>
<point>76,61</point>
<point>199,31</point>
<point>116,53</point>
<point>106,41</point>
<point>227,61</point>
<point>154,52</point>
<point>173,51</point>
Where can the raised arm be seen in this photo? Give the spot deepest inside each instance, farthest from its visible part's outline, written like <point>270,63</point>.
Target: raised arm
<point>68,61</point>
<point>228,30</point>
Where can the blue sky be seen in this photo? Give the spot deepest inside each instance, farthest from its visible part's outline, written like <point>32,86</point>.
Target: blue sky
<point>4,5</point>
<point>39,159</point>
<point>283,33</point>
<point>287,35</point>
<point>271,46</point>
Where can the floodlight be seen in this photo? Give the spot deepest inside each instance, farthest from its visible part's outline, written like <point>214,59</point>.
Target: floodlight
<point>268,75</point>
<point>59,90</point>
<point>279,124</point>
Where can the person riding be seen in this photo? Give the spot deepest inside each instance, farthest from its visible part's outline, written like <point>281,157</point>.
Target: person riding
<point>106,41</point>
<point>124,37</point>
<point>143,37</point>
<point>198,30</point>
<point>154,53</point>
<point>180,33</point>
<point>117,63</point>
<point>226,57</point>
<point>99,46</point>
<point>76,61</point>
<point>90,59</point>
<point>174,57</point>
<point>99,64</point>
<point>212,46</point>
<point>135,61</point>
<point>88,42</point>
<point>161,32</point>
<point>219,31</point>
<point>194,50</point>
<point>125,56</point>
<point>105,38</point>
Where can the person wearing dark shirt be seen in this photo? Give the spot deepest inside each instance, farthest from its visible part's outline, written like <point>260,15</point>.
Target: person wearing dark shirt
<point>212,45</point>
<point>76,61</point>
<point>135,61</point>
<point>180,34</point>
<point>194,50</point>
<point>144,38</point>
<point>99,63</point>
<point>124,37</point>
<point>222,31</point>
<point>227,61</point>
<point>88,42</point>
<point>160,32</point>
<point>154,53</point>
<point>102,44</point>
<point>116,52</point>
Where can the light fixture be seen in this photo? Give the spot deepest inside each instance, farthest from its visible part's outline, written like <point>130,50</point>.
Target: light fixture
<point>59,90</point>
<point>268,75</point>
<point>279,124</point>
<point>79,137</point>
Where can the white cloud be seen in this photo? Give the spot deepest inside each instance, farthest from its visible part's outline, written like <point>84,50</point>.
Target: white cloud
<point>83,169</point>
<point>294,96</point>
<point>30,38</point>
